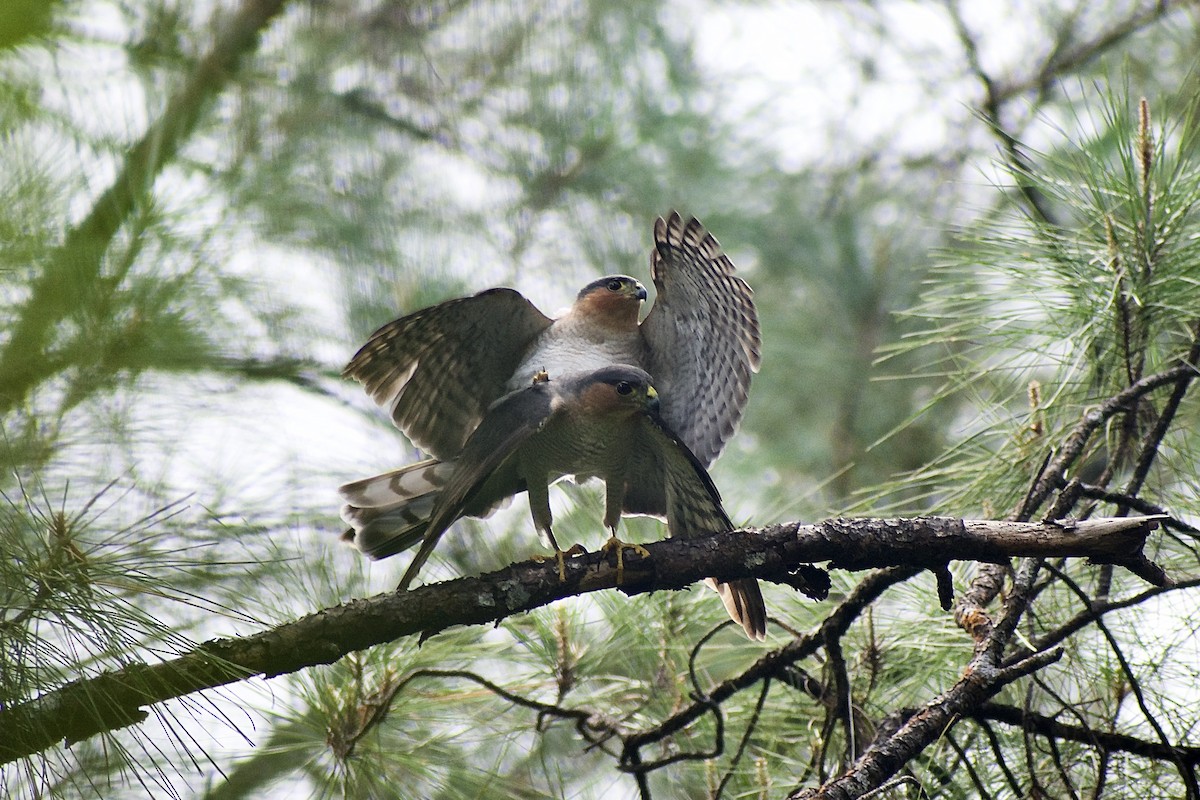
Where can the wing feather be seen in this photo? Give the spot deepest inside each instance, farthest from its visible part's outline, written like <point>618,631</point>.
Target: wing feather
<point>702,336</point>
<point>488,457</point>
<point>438,369</point>
<point>693,508</point>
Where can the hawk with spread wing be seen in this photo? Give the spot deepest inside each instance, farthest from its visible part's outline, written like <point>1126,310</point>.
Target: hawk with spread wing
<point>440,369</point>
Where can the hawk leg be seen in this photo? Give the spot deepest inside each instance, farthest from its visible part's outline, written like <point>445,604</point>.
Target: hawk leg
<point>614,543</point>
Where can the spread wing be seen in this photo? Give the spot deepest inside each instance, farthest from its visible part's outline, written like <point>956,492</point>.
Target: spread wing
<point>490,453</point>
<point>693,507</point>
<point>702,336</point>
<point>437,370</point>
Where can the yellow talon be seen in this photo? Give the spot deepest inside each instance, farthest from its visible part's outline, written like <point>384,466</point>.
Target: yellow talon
<point>614,543</point>
<point>560,558</point>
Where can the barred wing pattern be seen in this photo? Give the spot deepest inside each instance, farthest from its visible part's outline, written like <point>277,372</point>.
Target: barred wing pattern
<point>702,336</point>
<point>437,370</point>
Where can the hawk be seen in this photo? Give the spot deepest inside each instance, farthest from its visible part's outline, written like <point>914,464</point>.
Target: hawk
<point>604,424</point>
<point>438,370</point>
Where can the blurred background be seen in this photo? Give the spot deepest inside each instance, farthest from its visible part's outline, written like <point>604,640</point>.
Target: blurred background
<point>205,208</point>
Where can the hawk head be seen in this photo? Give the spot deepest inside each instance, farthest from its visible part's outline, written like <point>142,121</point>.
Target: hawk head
<point>619,391</point>
<point>614,300</point>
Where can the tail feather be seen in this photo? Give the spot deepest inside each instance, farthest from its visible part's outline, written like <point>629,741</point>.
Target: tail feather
<point>388,513</point>
<point>399,485</point>
<point>401,512</point>
<point>744,602</point>
<point>383,534</point>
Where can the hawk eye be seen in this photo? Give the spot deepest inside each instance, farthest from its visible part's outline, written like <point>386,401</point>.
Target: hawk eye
<point>615,286</point>
<point>624,387</point>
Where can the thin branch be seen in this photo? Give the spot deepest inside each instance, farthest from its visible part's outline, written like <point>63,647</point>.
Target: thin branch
<point>1185,770</point>
<point>998,752</point>
<point>971,611</point>
<point>980,789</point>
<point>750,726</point>
<point>1051,477</point>
<point>777,663</point>
<point>1136,504</point>
<point>1063,60</point>
<point>991,111</point>
<point>587,723</point>
<point>1056,756</point>
<point>1014,607</point>
<point>1093,611</point>
<point>1154,437</point>
<point>840,710</point>
<point>886,756</point>
<point>1102,773</point>
<point>1053,728</point>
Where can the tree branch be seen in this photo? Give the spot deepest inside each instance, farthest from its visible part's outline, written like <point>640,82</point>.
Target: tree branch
<point>1052,728</point>
<point>971,612</point>
<point>992,112</point>
<point>778,663</point>
<point>1096,609</point>
<point>117,699</point>
<point>887,756</point>
<point>1051,476</point>
<point>1065,60</point>
<point>73,269</point>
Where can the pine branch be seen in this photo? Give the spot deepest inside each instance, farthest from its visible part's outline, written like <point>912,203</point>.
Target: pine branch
<point>75,266</point>
<point>117,699</point>
<point>983,677</point>
<point>1186,770</point>
<point>887,755</point>
<point>1096,609</point>
<point>991,110</point>
<point>1052,475</point>
<point>777,663</point>
<point>1060,62</point>
<point>971,611</point>
<point>1052,728</point>
<point>986,674</point>
<point>1064,60</point>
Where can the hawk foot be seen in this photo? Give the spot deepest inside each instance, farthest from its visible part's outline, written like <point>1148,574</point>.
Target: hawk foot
<point>560,558</point>
<point>614,543</point>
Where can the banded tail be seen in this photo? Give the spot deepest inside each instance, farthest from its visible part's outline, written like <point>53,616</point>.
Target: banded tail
<point>388,513</point>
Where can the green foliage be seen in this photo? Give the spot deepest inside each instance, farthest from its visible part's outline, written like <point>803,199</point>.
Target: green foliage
<point>87,589</point>
<point>1033,320</point>
<point>172,426</point>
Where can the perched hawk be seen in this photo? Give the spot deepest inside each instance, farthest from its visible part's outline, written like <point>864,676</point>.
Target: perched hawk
<point>604,424</point>
<point>440,369</point>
